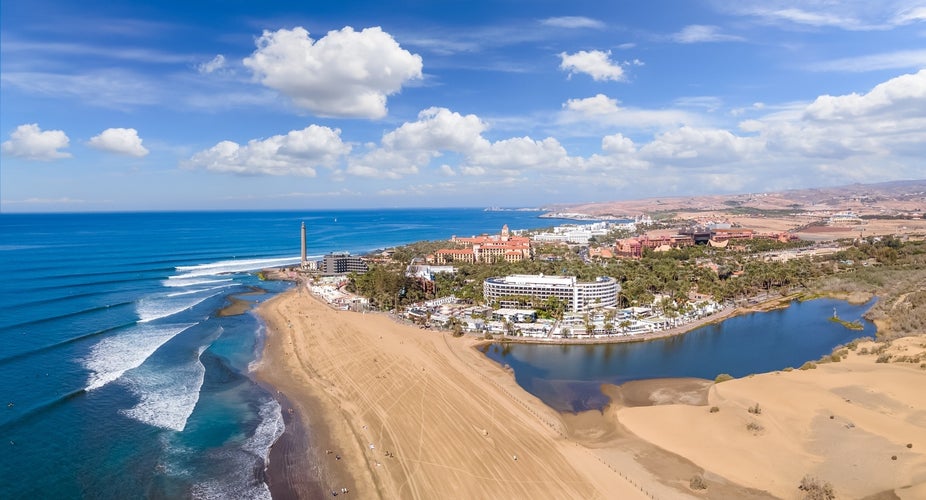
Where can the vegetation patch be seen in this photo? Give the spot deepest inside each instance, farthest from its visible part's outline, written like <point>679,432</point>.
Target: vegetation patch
<point>816,489</point>
<point>697,483</point>
<point>723,377</point>
<point>851,325</point>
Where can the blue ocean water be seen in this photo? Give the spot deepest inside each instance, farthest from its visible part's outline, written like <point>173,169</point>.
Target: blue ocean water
<point>568,377</point>
<point>117,377</point>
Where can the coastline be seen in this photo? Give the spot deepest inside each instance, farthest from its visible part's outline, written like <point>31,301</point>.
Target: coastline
<point>453,420</point>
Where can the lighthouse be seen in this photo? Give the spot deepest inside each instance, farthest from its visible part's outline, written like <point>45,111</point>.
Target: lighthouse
<point>303,246</point>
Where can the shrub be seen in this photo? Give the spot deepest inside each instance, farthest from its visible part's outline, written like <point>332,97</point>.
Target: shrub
<point>810,365</point>
<point>893,457</point>
<point>715,409</point>
<point>814,489</point>
<point>787,369</point>
<point>755,427</point>
<point>755,410</point>
<point>909,445</point>
<point>863,350</point>
<point>697,483</point>
<point>883,358</point>
<point>723,377</point>
<point>488,336</point>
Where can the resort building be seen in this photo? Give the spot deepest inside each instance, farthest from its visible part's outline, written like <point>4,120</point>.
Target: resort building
<point>577,296</point>
<point>342,263</point>
<point>502,247</point>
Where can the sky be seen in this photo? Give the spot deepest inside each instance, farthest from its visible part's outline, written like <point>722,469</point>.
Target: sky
<point>242,105</point>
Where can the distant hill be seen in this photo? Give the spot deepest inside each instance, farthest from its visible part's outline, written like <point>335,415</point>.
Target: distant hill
<point>885,198</point>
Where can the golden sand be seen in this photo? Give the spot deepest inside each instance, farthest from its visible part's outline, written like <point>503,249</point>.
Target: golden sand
<point>419,414</point>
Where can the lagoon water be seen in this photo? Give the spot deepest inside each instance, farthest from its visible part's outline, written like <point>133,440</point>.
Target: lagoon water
<point>117,377</point>
<point>568,377</point>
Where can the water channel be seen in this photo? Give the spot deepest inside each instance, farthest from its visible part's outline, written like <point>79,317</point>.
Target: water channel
<point>568,377</point>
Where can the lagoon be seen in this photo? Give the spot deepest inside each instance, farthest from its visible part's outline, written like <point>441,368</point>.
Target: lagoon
<point>568,377</point>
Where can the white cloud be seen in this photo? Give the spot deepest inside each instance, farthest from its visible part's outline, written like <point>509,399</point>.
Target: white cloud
<point>910,15</point>
<point>595,63</point>
<point>700,146</point>
<point>119,140</point>
<point>902,59</point>
<point>515,154</point>
<point>105,88</point>
<point>437,128</point>
<point>617,144</point>
<point>606,111</point>
<point>32,143</point>
<point>296,153</point>
<point>573,22</point>
<point>851,15</point>
<point>344,74</point>
<point>414,144</point>
<point>901,96</point>
<point>697,33</point>
<point>217,63</point>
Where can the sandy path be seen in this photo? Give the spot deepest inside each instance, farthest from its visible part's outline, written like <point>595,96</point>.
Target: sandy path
<point>452,421</point>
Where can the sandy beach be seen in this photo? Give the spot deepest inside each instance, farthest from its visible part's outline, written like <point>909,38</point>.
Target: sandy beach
<point>419,414</point>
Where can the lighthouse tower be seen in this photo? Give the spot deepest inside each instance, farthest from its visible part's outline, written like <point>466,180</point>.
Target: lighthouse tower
<point>303,246</point>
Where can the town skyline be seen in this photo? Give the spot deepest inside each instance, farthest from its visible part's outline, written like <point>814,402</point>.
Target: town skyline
<point>126,106</point>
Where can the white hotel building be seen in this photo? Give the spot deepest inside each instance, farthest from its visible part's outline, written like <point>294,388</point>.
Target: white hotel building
<point>578,296</point>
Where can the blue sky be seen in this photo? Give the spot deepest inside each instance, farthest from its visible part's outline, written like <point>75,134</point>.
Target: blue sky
<point>301,105</point>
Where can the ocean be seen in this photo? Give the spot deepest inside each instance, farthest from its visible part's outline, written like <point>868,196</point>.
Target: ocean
<point>119,378</point>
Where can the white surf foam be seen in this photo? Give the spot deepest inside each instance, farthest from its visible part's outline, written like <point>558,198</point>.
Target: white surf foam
<point>201,290</point>
<point>241,484</point>
<point>161,306</point>
<point>113,356</point>
<point>270,429</point>
<point>177,281</point>
<point>232,266</point>
<point>236,486</point>
<point>167,397</point>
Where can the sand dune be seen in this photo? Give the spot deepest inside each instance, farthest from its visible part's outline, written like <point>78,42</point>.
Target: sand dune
<point>841,422</point>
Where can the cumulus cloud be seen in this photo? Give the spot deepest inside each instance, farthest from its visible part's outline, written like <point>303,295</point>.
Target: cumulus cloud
<point>604,110</point>
<point>595,63</point>
<point>572,22</point>
<point>697,33</point>
<point>32,143</point>
<point>414,144</point>
<point>437,128</point>
<point>217,63</point>
<point>296,153</point>
<point>904,95</point>
<point>343,74</point>
<point>119,140</point>
<point>510,156</point>
<point>701,146</point>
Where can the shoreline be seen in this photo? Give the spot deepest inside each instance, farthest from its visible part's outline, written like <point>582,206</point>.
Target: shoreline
<point>339,370</point>
<point>365,379</point>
